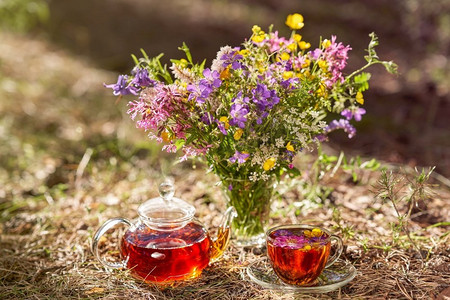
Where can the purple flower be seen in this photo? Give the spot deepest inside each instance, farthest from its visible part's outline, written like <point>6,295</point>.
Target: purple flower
<point>205,86</point>
<point>230,187</point>
<point>211,78</point>
<point>232,58</point>
<point>207,118</point>
<point>341,124</point>
<point>321,240</point>
<point>289,84</point>
<point>239,157</point>
<point>260,92</point>
<point>238,114</point>
<point>290,241</point>
<point>316,53</point>
<point>198,92</point>
<point>282,232</point>
<point>141,78</point>
<point>265,100</point>
<point>221,127</point>
<point>121,87</point>
<point>321,138</point>
<point>356,113</point>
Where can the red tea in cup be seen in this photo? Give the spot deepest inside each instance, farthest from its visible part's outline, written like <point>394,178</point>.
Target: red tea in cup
<point>299,253</point>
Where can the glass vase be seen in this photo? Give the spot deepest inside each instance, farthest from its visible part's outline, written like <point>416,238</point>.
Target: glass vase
<point>252,200</point>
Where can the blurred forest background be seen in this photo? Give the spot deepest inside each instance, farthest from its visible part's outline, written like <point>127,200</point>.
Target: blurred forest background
<point>70,157</point>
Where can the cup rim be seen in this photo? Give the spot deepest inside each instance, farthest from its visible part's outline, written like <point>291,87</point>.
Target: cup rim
<point>296,226</point>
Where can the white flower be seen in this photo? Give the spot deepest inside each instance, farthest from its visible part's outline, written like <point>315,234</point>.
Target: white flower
<point>279,142</point>
<point>217,63</point>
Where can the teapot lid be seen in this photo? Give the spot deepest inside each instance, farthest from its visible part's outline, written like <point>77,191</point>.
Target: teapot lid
<point>166,212</point>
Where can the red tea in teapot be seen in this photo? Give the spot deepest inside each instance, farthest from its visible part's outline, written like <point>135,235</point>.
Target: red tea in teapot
<point>159,256</point>
<point>298,255</point>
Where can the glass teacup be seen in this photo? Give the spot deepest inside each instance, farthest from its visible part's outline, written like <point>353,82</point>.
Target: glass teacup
<point>299,253</point>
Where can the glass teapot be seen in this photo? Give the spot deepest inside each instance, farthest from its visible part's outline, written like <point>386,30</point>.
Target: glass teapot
<point>166,243</point>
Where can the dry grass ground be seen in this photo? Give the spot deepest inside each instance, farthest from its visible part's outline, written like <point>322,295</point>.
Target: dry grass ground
<point>69,160</point>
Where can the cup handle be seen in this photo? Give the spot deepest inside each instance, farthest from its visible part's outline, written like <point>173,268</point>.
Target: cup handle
<point>337,253</point>
<point>100,232</point>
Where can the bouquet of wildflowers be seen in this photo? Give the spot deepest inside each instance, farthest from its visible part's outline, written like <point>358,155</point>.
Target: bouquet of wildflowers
<point>253,110</point>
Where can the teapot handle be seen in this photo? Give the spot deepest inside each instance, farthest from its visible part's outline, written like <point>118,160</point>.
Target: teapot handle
<point>100,232</point>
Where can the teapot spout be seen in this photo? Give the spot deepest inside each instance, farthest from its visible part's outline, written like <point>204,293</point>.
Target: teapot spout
<point>221,241</point>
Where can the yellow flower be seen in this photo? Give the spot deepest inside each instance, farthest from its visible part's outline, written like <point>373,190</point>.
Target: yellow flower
<point>306,63</point>
<point>295,21</point>
<point>269,163</point>
<point>326,43</point>
<point>316,232</point>
<point>287,75</point>
<point>183,63</point>
<point>256,29</point>
<point>289,147</point>
<point>307,233</point>
<point>292,47</point>
<point>322,91</point>
<point>225,74</point>
<point>225,121</point>
<point>165,136</point>
<point>307,247</point>
<point>306,75</point>
<point>237,135</point>
<point>285,56</point>
<point>323,65</point>
<point>244,52</point>
<point>258,34</point>
<point>297,37</point>
<point>359,98</point>
<point>259,37</point>
<point>304,45</point>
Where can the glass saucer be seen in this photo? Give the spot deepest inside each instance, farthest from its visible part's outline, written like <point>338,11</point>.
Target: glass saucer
<point>335,276</point>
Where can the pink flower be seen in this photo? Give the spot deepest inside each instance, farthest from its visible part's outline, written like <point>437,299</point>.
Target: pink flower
<point>171,148</point>
<point>290,241</point>
<point>336,55</point>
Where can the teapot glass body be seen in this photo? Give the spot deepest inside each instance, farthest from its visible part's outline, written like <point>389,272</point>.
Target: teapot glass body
<point>161,255</point>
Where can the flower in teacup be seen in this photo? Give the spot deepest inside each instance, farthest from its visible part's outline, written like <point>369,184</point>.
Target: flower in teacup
<point>282,232</point>
<point>290,241</point>
<point>316,232</point>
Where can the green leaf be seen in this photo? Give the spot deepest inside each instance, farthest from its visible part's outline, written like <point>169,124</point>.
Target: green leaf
<point>362,81</point>
<point>202,65</point>
<point>186,50</point>
<point>390,66</point>
<point>146,56</point>
<point>179,144</point>
<point>135,59</point>
<point>294,172</point>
